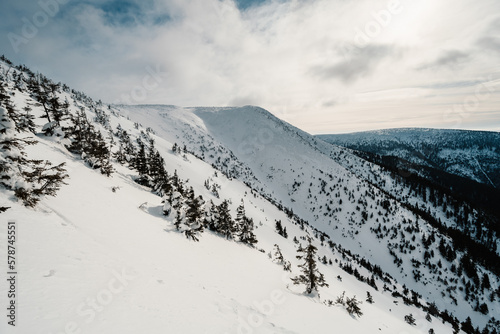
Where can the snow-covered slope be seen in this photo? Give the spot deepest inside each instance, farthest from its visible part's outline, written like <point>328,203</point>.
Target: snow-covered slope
<point>353,202</point>
<point>101,257</point>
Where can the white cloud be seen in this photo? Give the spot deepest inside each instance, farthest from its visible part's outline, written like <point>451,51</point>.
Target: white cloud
<point>324,65</point>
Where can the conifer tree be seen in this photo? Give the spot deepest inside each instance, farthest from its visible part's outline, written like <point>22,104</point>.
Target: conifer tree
<point>177,183</point>
<point>210,220</point>
<point>89,143</point>
<point>278,258</point>
<point>29,179</point>
<point>225,223</point>
<point>100,154</point>
<point>26,120</point>
<point>352,306</point>
<point>215,192</point>
<point>126,150</point>
<point>171,202</point>
<point>246,233</point>
<point>244,226</point>
<point>179,219</point>
<point>310,276</point>
<point>279,227</point>
<point>240,213</point>
<point>45,92</point>
<point>37,86</point>
<point>410,319</point>
<point>21,122</point>
<point>369,297</point>
<point>194,215</point>
<point>140,161</point>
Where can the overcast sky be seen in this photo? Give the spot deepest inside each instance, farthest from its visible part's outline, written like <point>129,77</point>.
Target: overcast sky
<point>326,66</point>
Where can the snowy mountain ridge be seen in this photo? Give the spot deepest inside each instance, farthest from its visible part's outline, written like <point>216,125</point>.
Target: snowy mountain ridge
<point>365,224</point>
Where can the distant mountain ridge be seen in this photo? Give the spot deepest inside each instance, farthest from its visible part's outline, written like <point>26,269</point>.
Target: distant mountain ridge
<point>471,154</point>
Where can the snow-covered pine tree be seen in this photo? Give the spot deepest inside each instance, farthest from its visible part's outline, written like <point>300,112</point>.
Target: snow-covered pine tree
<point>59,110</point>
<point>245,231</point>
<point>177,183</point>
<point>30,179</point>
<point>352,306</point>
<point>278,258</point>
<point>240,213</point>
<point>89,143</point>
<point>22,122</point>
<point>44,178</point>
<point>26,120</point>
<point>410,319</point>
<point>175,148</point>
<point>37,86</point>
<point>179,219</point>
<point>279,227</point>
<point>210,219</point>
<point>369,297</point>
<point>154,161</point>
<point>126,150</point>
<point>310,276</point>
<point>174,206</point>
<point>141,164</point>
<point>194,215</point>
<point>45,92</point>
<point>162,184</point>
<point>225,224</point>
<point>244,226</point>
<point>159,179</point>
<point>215,192</point>
<point>99,154</point>
<point>167,203</point>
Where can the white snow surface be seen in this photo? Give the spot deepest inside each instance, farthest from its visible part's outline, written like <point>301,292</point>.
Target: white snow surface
<point>91,261</point>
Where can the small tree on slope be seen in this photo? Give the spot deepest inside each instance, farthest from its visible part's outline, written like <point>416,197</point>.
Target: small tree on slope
<point>352,306</point>
<point>245,233</point>
<point>245,226</point>
<point>194,215</point>
<point>278,258</point>
<point>310,276</point>
<point>225,224</point>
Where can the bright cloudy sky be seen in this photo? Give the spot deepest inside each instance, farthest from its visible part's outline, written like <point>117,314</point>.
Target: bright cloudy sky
<point>326,66</point>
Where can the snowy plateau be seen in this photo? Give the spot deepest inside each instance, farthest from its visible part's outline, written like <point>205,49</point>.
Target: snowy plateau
<point>165,219</point>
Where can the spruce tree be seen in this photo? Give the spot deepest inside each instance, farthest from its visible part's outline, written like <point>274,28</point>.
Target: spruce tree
<point>278,258</point>
<point>194,215</point>
<point>244,226</point>
<point>410,319</point>
<point>26,120</point>
<point>179,219</point>
<point>279,227</point>
<point>172,202</point>
<point>369,297</point>
<point>211,216</point>
<point>140,161</point>
<point>352,306</point>
<point>37,86</point>
<point>29,179</point>
<point>225,223</point>
<point>245,231</point>
<point>240,213</point>
<point>310,276</point>
<point>89,143</point>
